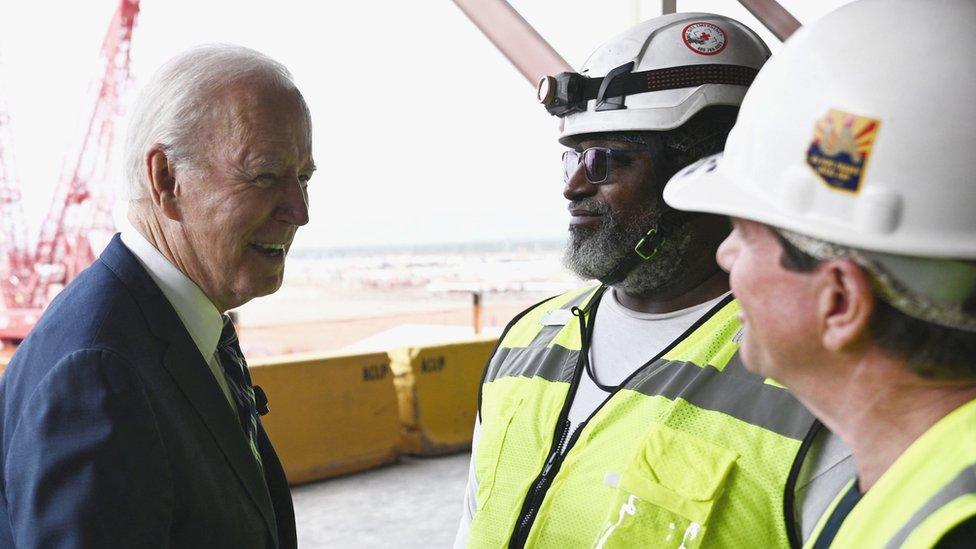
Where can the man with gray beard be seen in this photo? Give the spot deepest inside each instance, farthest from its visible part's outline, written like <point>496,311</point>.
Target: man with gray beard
<point>619,414</point>
<point>606,225</point>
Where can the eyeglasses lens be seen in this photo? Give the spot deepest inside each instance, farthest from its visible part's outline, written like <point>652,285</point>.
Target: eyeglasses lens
<point>570,163</point>
<point>596,162</point>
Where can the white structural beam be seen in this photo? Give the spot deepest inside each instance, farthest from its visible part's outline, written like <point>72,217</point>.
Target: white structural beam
<point>770,13</point>
<point>515,37</point>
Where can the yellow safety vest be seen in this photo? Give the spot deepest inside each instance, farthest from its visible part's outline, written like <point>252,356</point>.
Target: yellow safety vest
<point>692,450</point>
<point>926,492</point>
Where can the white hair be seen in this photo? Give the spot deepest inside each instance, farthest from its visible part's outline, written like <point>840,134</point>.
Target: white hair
<point>174,102</point>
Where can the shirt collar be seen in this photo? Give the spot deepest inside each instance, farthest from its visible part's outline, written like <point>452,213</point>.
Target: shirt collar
<point>199,315</point>
<point>614,304</point>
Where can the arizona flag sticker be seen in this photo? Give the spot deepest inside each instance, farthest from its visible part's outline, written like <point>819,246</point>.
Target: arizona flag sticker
<point>841,148</point>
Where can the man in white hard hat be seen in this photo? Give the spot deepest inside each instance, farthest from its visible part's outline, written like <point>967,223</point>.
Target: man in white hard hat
<point>853,253</point>
<point>618,415</point>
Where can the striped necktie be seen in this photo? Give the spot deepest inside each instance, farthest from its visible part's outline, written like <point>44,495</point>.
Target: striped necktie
<point>235,370</point>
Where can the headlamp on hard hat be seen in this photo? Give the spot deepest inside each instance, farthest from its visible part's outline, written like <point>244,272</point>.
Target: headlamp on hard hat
<point>562,94</point>
<point>569,92</point>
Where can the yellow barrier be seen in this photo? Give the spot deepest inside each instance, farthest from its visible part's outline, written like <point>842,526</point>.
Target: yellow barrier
<point>437,388</point>
<point>329,414</point>
<point>336,414</point>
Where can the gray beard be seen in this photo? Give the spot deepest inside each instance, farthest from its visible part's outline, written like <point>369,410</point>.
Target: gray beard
<point>593,253</point>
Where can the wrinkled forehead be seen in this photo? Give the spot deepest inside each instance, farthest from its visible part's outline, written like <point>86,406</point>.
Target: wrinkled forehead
<point>266,106</point>
<point>262,115</point>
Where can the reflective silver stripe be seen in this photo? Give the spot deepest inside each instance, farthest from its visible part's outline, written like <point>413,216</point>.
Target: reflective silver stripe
<point>553,364</point>
<point>548,333</point>
<point>579,300</point>
<point>733,391</point>
<point>736,367</point>
<point>964,483</point>
<point>739,394</point>
<point>526,362</point>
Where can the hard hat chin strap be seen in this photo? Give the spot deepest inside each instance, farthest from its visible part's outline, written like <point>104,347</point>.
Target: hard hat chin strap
<point>647,247</point>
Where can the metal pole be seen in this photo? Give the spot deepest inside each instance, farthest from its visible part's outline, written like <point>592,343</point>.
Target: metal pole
<point>770,13</point>
<point>476,309</point>
<point>517,40</point>
<point>669,6</point>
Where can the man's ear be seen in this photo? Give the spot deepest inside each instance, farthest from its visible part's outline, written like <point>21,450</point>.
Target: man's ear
<point>845,304</point>
<point>162,183</point>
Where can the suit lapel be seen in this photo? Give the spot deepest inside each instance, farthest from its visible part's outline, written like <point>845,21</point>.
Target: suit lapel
<point>274,473</point>
<point>193,376</point>
<point>183,362</point>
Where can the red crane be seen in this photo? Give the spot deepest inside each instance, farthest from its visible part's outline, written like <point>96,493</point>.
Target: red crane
<point>81,211</point>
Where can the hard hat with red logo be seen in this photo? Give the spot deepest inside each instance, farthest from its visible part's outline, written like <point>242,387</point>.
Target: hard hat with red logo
<point>656,75</point>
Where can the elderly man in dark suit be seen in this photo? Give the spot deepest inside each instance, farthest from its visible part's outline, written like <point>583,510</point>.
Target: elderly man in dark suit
<point>127,416</point>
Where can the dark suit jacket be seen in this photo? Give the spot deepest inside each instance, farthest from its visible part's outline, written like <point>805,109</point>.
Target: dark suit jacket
<point>115,433</point>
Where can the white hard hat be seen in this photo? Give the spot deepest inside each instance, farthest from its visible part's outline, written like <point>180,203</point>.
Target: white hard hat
<point>860,132</point>
<point>682,63</point>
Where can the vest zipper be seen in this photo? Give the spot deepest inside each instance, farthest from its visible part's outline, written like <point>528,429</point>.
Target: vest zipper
<point>554,461</point>
<point>539,488</point>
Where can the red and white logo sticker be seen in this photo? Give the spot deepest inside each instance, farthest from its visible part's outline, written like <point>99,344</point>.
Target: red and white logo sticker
<point>704,38</point>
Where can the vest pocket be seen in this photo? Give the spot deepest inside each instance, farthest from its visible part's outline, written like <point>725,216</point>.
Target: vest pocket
<point>665,496</point>
<point>490,444</point>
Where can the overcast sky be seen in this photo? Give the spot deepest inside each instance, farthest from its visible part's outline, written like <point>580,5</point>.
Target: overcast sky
<point>423,132</point>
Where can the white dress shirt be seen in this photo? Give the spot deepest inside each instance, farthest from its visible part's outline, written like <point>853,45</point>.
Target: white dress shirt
<point>199,315</point>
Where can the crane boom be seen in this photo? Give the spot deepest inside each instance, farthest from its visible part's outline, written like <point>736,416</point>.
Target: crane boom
<point>82,202</point>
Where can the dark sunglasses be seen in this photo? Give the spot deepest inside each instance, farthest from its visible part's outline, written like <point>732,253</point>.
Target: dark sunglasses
<point>595,161</point>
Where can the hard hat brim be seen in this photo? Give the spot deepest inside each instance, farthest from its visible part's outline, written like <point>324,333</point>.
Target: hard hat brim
<point>704,187</point>
<point>709,186</point>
